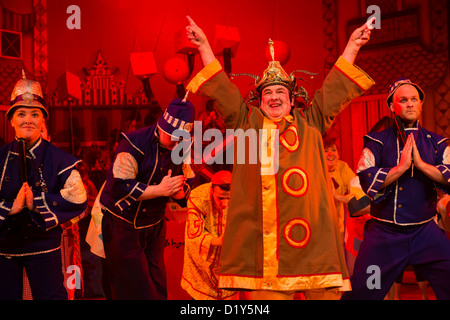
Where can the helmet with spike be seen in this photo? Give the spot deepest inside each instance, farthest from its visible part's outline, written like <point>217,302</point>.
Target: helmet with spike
<point>27,93</point>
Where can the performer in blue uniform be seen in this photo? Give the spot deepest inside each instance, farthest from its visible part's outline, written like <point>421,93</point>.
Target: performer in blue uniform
<point>400,169</point>
<point>140,182</point>
<point>48,193</point>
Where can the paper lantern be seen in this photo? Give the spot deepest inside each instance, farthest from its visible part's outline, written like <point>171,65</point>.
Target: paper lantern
<point>143,64</point>
<point>176,70</point>
<point>182,44</point>
<point>226,37</point>
<point>225,43</point>
<point>281,50</point>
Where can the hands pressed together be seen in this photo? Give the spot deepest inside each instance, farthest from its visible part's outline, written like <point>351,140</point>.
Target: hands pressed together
<point>24,199</point>
<point>410,154</point>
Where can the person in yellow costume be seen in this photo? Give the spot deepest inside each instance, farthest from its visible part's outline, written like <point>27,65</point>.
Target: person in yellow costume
<point>346,191</point>
<point>205,223</point>
<point>281,232</point>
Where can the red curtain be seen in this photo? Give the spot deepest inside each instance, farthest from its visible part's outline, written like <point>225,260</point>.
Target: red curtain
<point>363,115</point>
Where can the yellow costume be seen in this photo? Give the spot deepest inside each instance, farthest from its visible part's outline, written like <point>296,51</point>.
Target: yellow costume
<point>204,222</point>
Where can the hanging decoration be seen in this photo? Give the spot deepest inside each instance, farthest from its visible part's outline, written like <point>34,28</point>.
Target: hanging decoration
<point>282,53</point>
<point>176,71</point>
<point>144,66</point>
<point>184,46</point>
<point>225,43</point>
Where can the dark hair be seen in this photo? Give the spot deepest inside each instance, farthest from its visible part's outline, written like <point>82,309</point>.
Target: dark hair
<point>329,141</point>
<point>224,187</point>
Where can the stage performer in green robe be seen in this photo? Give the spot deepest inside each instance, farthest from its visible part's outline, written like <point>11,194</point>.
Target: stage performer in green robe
<point>282,233</point>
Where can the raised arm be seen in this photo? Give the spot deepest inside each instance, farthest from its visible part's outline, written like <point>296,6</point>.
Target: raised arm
<point>228,102</point>
<point>198,38</point>
<point>358,38</point>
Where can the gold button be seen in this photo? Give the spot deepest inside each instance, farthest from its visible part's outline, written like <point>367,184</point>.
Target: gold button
<point>55,203</point>
<point>399,205</point>
<point>400,188</point>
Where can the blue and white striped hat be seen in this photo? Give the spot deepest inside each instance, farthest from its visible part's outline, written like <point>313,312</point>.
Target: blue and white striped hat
<point>397,84</point>
<point>178,115</point>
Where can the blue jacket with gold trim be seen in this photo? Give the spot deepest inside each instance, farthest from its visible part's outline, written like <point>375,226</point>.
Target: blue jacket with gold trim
<point>139,161</point>
<point>58,193</point>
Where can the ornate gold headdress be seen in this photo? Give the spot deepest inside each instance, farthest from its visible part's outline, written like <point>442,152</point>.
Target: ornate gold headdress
<point>275,75</point>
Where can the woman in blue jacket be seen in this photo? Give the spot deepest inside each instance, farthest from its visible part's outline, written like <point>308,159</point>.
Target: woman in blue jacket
<point>40,189</point>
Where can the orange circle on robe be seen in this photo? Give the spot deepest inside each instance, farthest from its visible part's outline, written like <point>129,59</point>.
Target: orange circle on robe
<point>289,139</point>
<point>288,175</point>
<point>287,233</point>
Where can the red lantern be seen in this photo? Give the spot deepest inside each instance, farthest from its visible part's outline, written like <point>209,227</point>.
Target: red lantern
<point>176,70</point>
<point>281,50</point>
